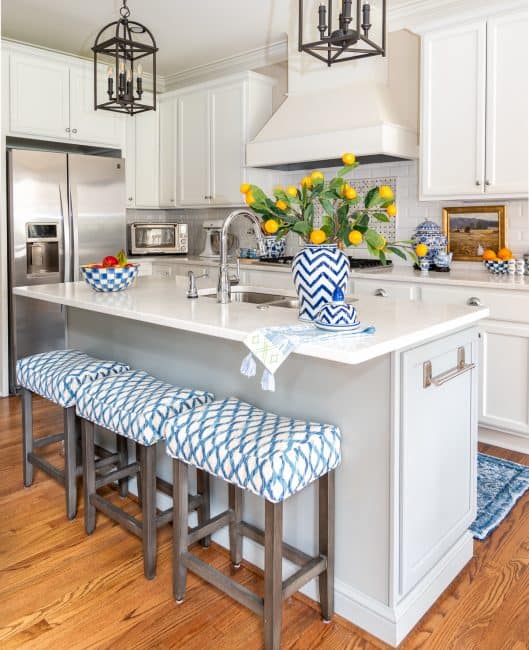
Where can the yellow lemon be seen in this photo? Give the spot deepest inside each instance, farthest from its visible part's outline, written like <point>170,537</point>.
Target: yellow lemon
<point>271,226</point>
<point>505,254</point>
<point>292,191</point>
<point>348,159</point>
<point>250,198</point>
<point>281,204</point>
<point>316,177</point>
<point>306,182</point>
<point>386,192</point>
<point>350,193</point>
<point>489,255</point>
<point>421,250</point>
<point>245,188</point>
<point>317,237</point>
<point>382,244</point>
<point>391,210</point>
<point>344,189</point>
<point>355,237</point>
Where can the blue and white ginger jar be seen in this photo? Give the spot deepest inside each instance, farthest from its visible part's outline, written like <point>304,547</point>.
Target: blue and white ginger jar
<point>337,313</point>
<point>275,248</point>
<point>430,233</point>
<point>318,271</point>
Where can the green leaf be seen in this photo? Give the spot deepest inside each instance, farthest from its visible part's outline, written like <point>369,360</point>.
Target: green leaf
<point>374,239</point>
<point>381,216</point>
<point>397,251</point>
<point>371,197</point>
<point>348,168</point>
<point>336,184</point>
<point>328,230</point>
<point>302,227</point>
<point>382,257</point>
<point>326,204</point>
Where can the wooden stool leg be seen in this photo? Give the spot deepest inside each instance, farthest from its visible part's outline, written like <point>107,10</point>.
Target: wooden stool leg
<point>138,475</point>
<point>326,543</point>
<point>204,510</point>
<point>273,599</point>
<point>70,462</point>
<point>180,526</point>
<point>27,434</point>
<point>122,449</point>
<point>89,475</point>
<point>148,507</point>
<point>235,503</point>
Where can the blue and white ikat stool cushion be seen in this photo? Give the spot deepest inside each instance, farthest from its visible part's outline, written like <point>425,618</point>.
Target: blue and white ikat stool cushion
<point>269,455</point>
<point>135,405</point>
<point>59,375</point>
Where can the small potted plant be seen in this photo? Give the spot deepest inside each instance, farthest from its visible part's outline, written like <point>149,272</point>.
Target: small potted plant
<point>321,265</point>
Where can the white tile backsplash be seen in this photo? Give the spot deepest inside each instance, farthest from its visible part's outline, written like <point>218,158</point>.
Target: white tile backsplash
<point>411,211</point>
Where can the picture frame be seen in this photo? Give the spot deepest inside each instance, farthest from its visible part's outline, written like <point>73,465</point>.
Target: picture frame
<point>471,229</point>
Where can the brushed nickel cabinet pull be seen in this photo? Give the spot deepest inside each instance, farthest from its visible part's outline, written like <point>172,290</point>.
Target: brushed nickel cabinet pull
<point>382,293</point>
<point>474,302</point>
<point>444,377</point>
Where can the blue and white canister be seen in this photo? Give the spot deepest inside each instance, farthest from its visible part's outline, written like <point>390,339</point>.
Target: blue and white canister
<point>275,248</point>
<point>318,271</point>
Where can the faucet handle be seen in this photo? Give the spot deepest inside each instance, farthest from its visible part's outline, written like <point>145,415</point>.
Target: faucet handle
<point>235,279</point>
<point>192,286</point>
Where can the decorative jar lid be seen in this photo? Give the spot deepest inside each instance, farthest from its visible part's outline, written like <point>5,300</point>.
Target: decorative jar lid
<point>428,228</point>
<point>337,313</point>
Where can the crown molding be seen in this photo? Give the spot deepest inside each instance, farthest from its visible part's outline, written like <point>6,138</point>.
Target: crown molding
<point>250,60</point>
<point>423,15</point>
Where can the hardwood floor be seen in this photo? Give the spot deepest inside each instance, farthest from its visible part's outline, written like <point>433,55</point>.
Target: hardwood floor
<point>60,589</point>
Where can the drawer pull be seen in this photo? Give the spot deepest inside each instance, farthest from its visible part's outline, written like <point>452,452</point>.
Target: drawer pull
<point>382,293</point>
<point>474,302</point>
<point>444,377</point>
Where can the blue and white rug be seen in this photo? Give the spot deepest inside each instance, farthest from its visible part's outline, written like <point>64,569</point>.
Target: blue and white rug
<point>500,484</point>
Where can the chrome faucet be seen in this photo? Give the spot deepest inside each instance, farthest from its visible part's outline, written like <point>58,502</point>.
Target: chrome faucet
<point>192,291</point>
<point>224,285</point>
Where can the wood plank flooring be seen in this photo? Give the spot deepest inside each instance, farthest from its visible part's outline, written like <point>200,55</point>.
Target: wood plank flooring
<point>60,589</point>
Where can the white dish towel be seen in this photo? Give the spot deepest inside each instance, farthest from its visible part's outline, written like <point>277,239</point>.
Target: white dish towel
<point>272,345</point>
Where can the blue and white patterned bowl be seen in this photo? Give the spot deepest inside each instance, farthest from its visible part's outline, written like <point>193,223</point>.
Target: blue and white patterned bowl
<point>110,279</point>
<point>498,267</point>
<point>275,248</point>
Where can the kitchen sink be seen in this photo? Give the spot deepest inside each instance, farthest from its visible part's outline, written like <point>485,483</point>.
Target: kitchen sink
<point>252,297</point>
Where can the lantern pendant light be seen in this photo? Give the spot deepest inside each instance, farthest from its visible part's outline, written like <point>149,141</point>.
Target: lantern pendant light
<point>120,45</point>
<point>351,39</point>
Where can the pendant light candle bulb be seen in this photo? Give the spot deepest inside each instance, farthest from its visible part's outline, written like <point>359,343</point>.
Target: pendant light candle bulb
<point>121,67</point>
<point>110,71</point>
<point>139,70</point>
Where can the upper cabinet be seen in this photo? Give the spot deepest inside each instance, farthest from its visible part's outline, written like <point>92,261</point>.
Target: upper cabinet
<point>51,97</point>
<point>168,127</point>
<point>216,121</point>
<point>474,110</point>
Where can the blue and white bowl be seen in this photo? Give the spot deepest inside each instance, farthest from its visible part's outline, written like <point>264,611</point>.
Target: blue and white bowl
<point>110,279</point>
<point>275,248</point>
<point>498,267</point>
<point>337,315</point>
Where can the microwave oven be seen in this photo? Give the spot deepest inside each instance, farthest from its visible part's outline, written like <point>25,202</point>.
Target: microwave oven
<point>158,238</point>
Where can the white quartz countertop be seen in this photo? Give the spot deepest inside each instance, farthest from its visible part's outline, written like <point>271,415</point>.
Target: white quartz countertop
<point>399,323</point>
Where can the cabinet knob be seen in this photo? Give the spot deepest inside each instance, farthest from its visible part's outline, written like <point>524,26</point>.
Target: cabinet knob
<point>74,130</point>
<point>474,302</point>
<point>487,182</point>
<point>382,293</point>
<point>67,129</point>
<point>478,183</point>
<point>130,198</point>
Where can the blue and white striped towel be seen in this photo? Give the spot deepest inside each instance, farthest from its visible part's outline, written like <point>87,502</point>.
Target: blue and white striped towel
<point>272,345</point>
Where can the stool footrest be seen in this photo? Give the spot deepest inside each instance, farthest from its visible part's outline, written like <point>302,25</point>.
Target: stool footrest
<point>111,459</point>
<point>116,514</point>
<point>164,517</point>
<point>300,578</point>
<point>47,467</point>
<point>210,527</point>
<point>239,593</point>
<point>290,553</point>
<point>163,486</point>
<point>117,474</point>
<point>47,440</point>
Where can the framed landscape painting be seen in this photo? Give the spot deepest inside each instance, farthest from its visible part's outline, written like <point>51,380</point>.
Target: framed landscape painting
<point>473,229</point>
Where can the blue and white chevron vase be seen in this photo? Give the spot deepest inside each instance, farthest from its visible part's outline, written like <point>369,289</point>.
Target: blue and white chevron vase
<point>317,271</point>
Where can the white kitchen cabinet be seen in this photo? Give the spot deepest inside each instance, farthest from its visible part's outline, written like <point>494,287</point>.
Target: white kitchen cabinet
<point>143,147</point>
<point>504,403</point>
<point>168,126</point>
<point>51,97</point>
<point>438,447</point>
<point>507,90</point>
<point>453,111</point>
<point>383,289</point>
<point>86,124</point>
<point>39,95</point>
<point>194,160</point>
<point>474,109</point>
<point>216,120</point>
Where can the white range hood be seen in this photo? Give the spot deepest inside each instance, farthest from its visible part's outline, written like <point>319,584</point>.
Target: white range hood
<point>368,107</point>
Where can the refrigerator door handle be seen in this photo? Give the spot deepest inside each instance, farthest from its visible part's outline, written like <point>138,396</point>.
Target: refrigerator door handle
<point>75,239</point>
<point>67,243</point>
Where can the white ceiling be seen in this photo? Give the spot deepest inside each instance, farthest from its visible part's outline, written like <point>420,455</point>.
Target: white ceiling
<point>188,33</point>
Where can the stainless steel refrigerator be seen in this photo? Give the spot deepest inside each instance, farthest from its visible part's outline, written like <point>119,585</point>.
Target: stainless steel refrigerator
<point>64,210</point>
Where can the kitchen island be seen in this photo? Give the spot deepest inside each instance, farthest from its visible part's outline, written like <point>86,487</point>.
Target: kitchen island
<point>405,491</point>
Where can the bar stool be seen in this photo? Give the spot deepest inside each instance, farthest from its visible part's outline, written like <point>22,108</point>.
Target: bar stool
<point>134,406</point>
<point>273,457</point>
<point>57,376</point>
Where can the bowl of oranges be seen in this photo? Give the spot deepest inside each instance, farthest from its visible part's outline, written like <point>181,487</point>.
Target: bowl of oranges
<point>497,262</point>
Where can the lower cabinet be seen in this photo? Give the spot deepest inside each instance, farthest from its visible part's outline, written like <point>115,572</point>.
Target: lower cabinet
<point>437,449</point>
<point>504,403</point>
